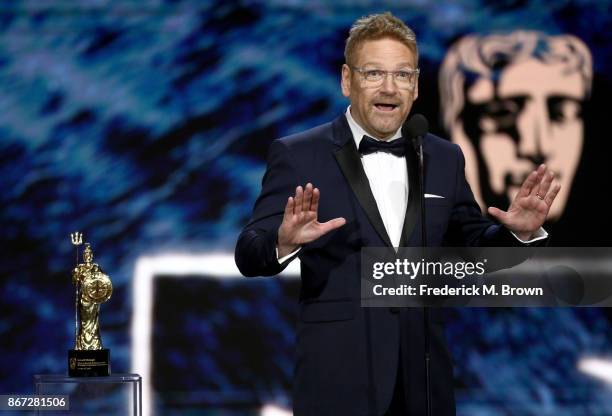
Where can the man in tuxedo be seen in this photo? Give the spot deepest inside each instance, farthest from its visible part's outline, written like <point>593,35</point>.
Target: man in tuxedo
<point>370,361</point>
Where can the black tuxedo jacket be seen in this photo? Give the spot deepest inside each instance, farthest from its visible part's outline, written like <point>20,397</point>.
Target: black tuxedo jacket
<point>347,356</point>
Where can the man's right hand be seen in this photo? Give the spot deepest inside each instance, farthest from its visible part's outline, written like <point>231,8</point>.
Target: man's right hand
<point>300,225</point>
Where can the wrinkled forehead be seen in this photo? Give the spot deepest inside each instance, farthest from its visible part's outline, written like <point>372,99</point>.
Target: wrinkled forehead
<point>529,78</point>
<point>384,52</point>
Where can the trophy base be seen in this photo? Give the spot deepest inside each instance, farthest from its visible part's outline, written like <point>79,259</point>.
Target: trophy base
<point>89,363</point>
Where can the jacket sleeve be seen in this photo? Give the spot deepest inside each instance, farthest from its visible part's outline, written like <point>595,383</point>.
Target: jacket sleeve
<point>255,252</point>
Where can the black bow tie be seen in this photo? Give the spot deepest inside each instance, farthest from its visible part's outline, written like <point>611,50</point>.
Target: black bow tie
<point>396,147</point>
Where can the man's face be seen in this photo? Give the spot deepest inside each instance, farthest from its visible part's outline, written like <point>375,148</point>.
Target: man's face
<point>379,109</point>
<point>534,118</point>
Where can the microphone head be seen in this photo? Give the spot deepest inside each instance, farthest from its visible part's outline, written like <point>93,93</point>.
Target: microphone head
<point>415,126</point>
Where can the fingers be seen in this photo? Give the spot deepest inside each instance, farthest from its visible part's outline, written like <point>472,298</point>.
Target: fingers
<point>314,205</point>
<point>332,225</point>
<point>498,214</point>
<point>307,198</point>
<point>541,170</point>
<point>528,184</point>
<point>545,185</point>
<point>289,207</point>
<point>540,175</point>
<point>299,197</point>
<point>550,196</point>
<point>546,188</point>
<point>538,184</point>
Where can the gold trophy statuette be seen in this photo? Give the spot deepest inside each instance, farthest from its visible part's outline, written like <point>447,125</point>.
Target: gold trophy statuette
<point>93,287</point>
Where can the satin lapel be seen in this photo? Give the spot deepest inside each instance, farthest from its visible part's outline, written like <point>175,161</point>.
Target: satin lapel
<point>415,193</point>
<point>350,164</point>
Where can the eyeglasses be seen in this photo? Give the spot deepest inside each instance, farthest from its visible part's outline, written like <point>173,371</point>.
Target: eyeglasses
<point>404,79</point>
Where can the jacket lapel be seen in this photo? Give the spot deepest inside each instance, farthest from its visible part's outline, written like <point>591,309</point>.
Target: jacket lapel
<point>349,160</point>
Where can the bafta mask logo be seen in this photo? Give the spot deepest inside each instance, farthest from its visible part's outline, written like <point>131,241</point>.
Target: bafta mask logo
<point>512,102</point>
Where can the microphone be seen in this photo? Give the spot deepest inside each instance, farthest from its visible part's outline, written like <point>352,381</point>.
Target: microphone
<point>415,129</point>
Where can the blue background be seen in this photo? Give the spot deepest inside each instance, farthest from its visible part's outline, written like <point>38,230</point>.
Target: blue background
<point>145,125</point>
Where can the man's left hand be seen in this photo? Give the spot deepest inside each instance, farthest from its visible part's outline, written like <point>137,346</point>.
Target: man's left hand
<point>531,204</point>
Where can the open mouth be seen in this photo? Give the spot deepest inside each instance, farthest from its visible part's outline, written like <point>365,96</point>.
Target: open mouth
<point>385,106</point>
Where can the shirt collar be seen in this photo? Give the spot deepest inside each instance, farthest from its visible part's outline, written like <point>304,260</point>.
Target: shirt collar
<point>358,131</point>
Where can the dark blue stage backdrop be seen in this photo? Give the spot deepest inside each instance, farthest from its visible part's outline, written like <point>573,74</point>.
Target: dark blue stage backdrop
<point>145,124</point>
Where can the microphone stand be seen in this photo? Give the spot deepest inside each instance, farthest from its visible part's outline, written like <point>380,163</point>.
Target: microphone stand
<point>426,323</point>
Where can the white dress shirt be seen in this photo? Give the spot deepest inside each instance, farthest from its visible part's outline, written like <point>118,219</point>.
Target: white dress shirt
<point>388,178</point>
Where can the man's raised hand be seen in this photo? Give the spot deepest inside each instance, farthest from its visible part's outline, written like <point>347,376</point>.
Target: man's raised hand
<point>300,225</point>
<point>530,207</point>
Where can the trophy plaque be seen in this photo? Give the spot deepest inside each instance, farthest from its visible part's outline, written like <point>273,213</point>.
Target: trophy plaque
<point>92,288</point>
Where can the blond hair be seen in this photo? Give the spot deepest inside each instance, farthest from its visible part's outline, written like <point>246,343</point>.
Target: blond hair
<point>378,26</point>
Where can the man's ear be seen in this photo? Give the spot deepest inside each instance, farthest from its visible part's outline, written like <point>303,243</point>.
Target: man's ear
<point>416,90</point>
<point>346,80</point>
